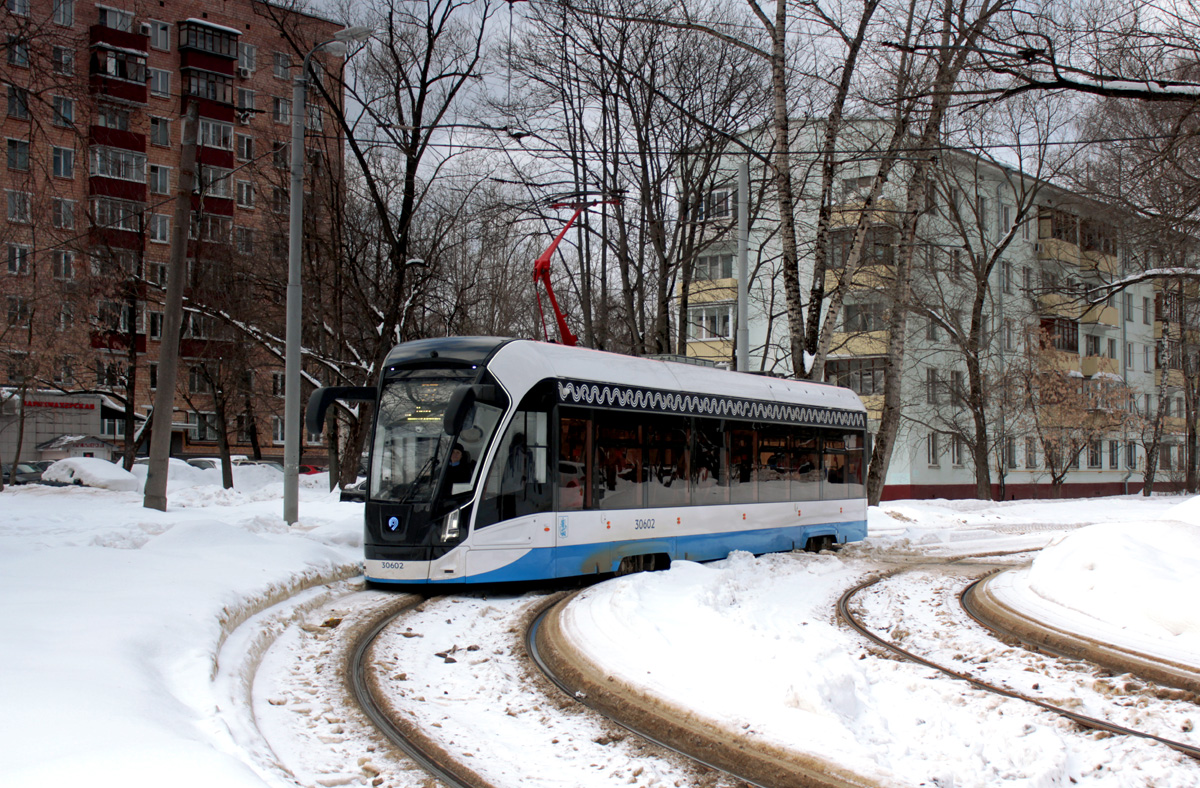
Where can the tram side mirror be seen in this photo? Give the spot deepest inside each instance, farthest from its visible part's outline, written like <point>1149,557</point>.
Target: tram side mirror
<point>460,405</point>
<point>322,398</point>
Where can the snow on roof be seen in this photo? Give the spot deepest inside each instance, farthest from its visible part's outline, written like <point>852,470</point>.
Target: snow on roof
<point>67,441</point>
<point>194,21</point>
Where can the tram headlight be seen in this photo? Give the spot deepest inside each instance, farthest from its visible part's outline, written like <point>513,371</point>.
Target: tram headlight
<point>450,526</point>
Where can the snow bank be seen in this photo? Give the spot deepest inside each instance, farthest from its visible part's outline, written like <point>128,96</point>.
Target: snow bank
<point>92,472</point>
<point>1141,577</point>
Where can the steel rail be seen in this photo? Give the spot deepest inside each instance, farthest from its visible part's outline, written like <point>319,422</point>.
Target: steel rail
<point>534,654</point>
<point>361,689</point>
<point>844,612</point>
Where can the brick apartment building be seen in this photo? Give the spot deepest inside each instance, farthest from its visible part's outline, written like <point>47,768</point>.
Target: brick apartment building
<point>95,95</point>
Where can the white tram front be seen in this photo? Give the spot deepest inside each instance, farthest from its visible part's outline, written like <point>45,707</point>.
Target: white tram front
<point>497,460</point>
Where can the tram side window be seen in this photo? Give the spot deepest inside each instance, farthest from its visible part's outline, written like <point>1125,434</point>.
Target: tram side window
<point>774,463</point>
<point>806,464</point>
<point>709,464</point>
<point>844,465</point>
<point>618,460</point>
<point>574,470</point>
<point>667,471</point>
<point>518,481</point>
<point>743,464</point>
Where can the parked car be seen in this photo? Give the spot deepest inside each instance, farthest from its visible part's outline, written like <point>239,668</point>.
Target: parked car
<point>309,469</point>
<point>205,463</point>
<point>25,474</point>
<point>355,494</point>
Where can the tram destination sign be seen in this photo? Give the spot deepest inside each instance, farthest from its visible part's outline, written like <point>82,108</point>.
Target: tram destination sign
<point>609,395</point>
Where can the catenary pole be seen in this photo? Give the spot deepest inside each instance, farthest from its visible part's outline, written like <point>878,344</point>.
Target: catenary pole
<point>168,360</point>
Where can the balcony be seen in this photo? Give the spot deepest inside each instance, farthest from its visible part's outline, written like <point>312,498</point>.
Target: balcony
<point>1090,366</point>
<point>1058,250</point>
<point>1101,314</point>
<point>718,350</point>
<point>1099,262</point>
<point>865,343</point>
<point>1174,377</point>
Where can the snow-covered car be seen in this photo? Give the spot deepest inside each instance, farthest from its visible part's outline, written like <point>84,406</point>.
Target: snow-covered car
<point>25,473</point>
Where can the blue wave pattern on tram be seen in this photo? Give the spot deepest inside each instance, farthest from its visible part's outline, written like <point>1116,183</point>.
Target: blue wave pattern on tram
<point>603,394</point>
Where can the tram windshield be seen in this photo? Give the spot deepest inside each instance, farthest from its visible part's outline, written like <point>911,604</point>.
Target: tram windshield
<point>411,449</point>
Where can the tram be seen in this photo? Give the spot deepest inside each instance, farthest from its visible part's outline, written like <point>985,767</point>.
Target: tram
<point>495,460</point>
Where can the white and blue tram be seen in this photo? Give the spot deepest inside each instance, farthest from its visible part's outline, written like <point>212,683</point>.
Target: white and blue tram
<point>499,460</point>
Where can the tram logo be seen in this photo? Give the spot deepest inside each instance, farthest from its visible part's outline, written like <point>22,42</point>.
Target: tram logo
<point>393,523</point>
<point>633,398</point>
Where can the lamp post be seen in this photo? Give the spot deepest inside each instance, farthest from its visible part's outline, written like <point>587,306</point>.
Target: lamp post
<point>291,405</point>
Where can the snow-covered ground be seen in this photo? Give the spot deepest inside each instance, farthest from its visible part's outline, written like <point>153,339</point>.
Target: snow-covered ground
<point>117,616</point>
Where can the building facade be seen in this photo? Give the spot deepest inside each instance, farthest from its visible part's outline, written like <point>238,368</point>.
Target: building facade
<point>93,131</point>
<point>1014,323</point>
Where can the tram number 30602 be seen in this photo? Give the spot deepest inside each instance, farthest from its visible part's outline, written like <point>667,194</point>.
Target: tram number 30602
<point>643,523</point>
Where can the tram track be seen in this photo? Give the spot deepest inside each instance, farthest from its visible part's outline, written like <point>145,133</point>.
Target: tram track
<point>846,612</point>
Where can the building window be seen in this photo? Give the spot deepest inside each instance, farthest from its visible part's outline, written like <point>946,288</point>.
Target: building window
<point>1131,456</point>
<point>18,311</point>
<point>202,426</point>
<point>278,386</point>
<point>281,109</point>
<point>62,265</point>
<point>1129,356</point>
<point>282,65</point>
<point>247,101</point>
<point>1095,454</point>
<point>933,452</point>
<point>160,179</point>
<point>18,155</point>
<point>277,435</point>
<point>864,317</point>
<point>713,266</point>
<point>117,214</point>
<point>711,321</point>
<point>111,117</point>
<point>66,316</point>
<point>125,165</point>
<point>64,111</point>
<point>154,324</point>
<point>933,385</point>
<point>160,35</point>
<point>214,182</point>
<point>1092,345</point>
<point>17,7</point>
<point>156,272</point>
<point>64,12</point>
<point>64,163</point>
<point>1063,333</point>
<point>62,213</point>
<point>211,86</point>
<point>1146,312</point>
<point>160,83</point>
<point>214,134</point>
<point>119,64</point>
<point>1031,456</point>
<point>280,155</point>
<point>1010,453</point>
<point>62,60</point>
<point>152,370</point>
<point>116,19</point>
<point>1112,348</point>
<point>216,41</point>
<point>245,194</point>
<point>1006,275</point>
<point>1147,364</point>
<point>862,375</point>
<point>956,452</point>
<point>279,199</point>
<point>212,228</point>
<point>717,204</point>
<point>18,51</point>
<point>18,259</point>
<point>159,228</point>
<point>248,57</point>
<point>18,207</point>
<point>160,132</point>
<point>315,121</point>
<point>244,237</point>
<point>245,147</point>
<point>1114,454</point>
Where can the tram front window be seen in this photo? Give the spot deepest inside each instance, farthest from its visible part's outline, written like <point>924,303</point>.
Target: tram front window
<point>411,448</point>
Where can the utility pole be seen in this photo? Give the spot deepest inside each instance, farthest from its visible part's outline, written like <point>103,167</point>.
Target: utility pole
<point>168,361</point>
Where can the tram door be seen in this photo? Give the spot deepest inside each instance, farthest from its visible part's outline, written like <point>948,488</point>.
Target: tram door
<point>582,540</point>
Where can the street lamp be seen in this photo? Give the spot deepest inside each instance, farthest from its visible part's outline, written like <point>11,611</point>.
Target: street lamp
<point>291,405</point>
